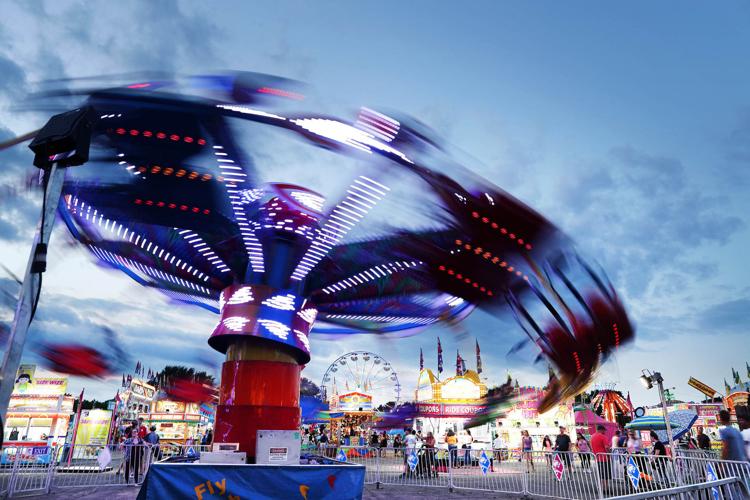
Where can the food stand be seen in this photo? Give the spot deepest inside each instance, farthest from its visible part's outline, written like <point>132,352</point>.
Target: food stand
<point>39,410</point>
<point>175,421</point>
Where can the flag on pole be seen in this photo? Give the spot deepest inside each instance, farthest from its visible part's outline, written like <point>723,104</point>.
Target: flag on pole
<point>726,387</point>
<point>459,363</point>
<point>440,357</point>
<point>421,360</point>
<point>123,380</point>
<point>736,377</point>
<point>479,358</point>
<point>748,369</point>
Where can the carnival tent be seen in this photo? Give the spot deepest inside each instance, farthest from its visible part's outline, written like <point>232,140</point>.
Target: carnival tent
<point>650,423</point>
<point>588,420</point>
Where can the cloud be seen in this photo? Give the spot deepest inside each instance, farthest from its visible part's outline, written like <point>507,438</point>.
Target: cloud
<point>726,317</point>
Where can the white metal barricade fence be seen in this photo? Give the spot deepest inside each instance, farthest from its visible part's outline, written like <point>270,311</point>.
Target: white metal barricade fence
<point>364,455</point>
<point>427,467</point>
<point>487,470</point>
<point>97,465</point>
<point>697,470</point>
<point>31,468</point>
<point>561,474</point>
<point>569,475</point>
<point>625,474</point>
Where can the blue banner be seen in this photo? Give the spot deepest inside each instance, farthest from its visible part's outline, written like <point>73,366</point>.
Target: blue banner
<point>236,482</point>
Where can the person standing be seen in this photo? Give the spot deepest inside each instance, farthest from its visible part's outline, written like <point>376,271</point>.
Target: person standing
<point>410,446</point>
<point>600,448</point>
<point>429,442</point>
<point>704,442</point>
<point>527,448</point>
<point>744,421</point>
<point>562,444</point>
<point>615,439</point>
<point>583,451</point>
<point>468,440</point>
<point>208,438</point>
<point>634,444</point>
<point>133,446</point>
<point>452,442</point>
<point>498,444</point>
<point>732,444</point>
<point>547,448</point>
<point>152,438</point>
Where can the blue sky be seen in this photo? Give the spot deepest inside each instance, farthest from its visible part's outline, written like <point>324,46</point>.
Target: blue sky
<point>626,124</point>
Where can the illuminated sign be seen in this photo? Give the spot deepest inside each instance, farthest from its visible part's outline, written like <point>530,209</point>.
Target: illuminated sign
<point>448,410</point>
<point>355,401</point>
<point>460,388</point>
<point>700,386</point>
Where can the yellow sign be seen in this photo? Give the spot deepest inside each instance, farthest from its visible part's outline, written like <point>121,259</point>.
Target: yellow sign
<point>700,386</point>
<point>93,427</point>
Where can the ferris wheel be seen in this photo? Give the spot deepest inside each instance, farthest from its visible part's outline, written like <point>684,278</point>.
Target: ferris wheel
<point>364,372</point>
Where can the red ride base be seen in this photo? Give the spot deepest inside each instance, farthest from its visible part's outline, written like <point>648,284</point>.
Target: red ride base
<point>256,395</point>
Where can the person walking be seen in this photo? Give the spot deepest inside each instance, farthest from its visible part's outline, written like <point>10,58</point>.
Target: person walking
<point>133,447</point>
<point>732,443</point>
<point>600,448</point>
<point>527,449</point>
<point>583,451</point>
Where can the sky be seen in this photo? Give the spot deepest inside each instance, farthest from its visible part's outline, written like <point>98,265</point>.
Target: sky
<point>628,125</point>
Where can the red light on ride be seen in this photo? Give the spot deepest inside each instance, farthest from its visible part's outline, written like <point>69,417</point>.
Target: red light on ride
<point>202,142</point>
<point>188,139</point>
<point>149,202</point>
<point>174,137</point>
<point>138,201</point>
<point>120,131</point>
<point>134,132</point>
<point>147,133</point>
<point>161,135</point>
<point>183,208</point>
<point>441,268</point>
<point>206,211</point>
<point>475,215</point>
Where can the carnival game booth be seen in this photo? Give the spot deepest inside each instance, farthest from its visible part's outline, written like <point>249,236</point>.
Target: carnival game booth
<point>449,404</point>
<point>352,418</point>
<point>39,409</point>
<point>524,415</point>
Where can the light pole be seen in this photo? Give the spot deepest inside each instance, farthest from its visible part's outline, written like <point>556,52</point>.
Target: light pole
<point>648,379</point>
<point>62,142</point>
